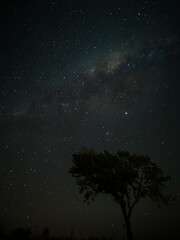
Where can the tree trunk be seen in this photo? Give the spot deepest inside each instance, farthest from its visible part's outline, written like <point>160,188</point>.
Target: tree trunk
<point>127,217</point>
<point>128,229</point>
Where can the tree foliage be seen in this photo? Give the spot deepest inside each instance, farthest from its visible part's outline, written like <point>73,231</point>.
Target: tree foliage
<point>128,178</point>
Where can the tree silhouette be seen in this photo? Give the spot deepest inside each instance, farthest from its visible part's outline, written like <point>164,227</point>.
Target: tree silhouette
<point>22,234</point>
<point>46,233</point>
<point>128,178</point>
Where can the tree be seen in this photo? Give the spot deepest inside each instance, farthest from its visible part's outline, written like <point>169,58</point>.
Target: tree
<point>45,233</point>
<point>128,178</point>
<point>22,234</point>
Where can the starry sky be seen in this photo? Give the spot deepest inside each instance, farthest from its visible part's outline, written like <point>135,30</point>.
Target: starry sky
<point>97,73</point>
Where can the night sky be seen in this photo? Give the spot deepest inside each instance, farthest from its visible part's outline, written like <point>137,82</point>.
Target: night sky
<point>103,74</point>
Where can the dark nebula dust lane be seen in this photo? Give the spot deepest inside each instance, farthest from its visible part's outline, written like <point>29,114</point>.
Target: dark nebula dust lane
<point>94,73</point>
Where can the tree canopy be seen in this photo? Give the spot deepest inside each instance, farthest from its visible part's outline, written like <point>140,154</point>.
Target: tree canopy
<point>128,178</point>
